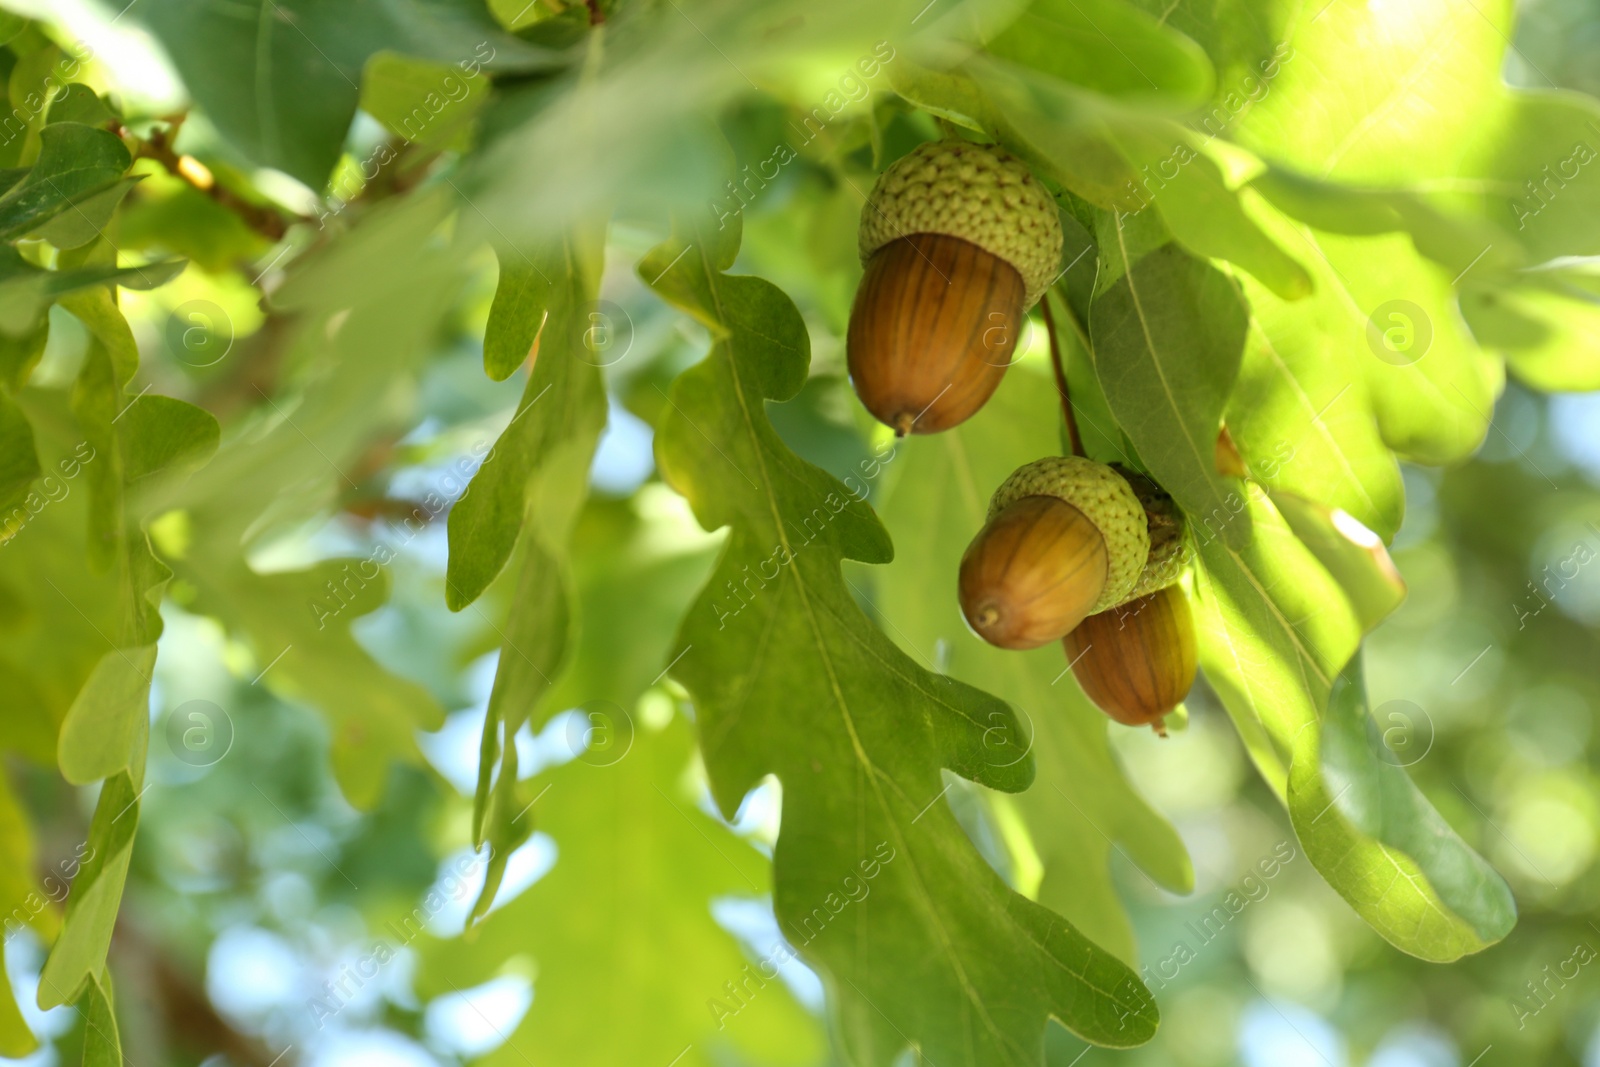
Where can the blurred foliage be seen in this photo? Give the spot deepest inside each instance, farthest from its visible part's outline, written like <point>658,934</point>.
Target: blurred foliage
<point>370,696</point>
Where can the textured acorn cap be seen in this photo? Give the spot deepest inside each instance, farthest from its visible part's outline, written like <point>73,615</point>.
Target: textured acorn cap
<point>979,193</point>
<point>1165,523</point>
<point>1106,498</point>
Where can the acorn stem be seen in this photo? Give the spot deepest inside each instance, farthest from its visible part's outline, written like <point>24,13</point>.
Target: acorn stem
<point>903,423</point>
<point>1061,376</point>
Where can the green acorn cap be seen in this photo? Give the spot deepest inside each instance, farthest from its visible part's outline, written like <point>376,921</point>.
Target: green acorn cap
<point>979,193</point>
<point>1108,501</point>
<point>1165,522</point>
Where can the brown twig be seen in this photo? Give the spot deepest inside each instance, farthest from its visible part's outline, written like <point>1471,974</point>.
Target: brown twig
<point>176,1000</point>
<point>1061,376</point>
<point>596,16</point>
<point>266,221</point>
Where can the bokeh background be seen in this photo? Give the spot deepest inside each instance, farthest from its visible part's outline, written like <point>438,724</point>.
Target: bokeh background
<point>257,891</point>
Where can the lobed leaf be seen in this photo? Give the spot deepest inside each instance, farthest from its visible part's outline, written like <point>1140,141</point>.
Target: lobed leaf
<point>624,920</point>
<point>524,499</point>
<point>942,953</point>
<point>1080,808</point>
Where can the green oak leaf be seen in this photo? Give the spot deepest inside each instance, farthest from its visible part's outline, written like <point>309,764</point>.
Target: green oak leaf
<point>80,952</point>
<point>1398,863</point>
<point>20,355</point>
<point>1430,385</point>
<point>1380,345</point>
<point>1545,321</point>
<point>108,725</point>
<point>27,291</point>
<point>1275,632</point>
<point>942,953</point>
<point>63,615</point>
<point>564,401</point>
<point>76,164</point>
<point>280,78</point>
<point>79,103</point>
<point>299,625</point>
<point>521,299</point>
<point>1352,554</point>
<point>1110,48</point>
<point>97,309</point>
<point>162,433</point>
<point>624,919</point>
<point>636,566</point>
<point>1300,413</point>
<point>432,104</point>
<point>102,1044</point>
<point>1080,808</point>
<point>523,500</point>
<point>18,896</point>
<point>19,462</point>
<point>1167,340</point>
<point>87,220</point>
<point>16,1040</point>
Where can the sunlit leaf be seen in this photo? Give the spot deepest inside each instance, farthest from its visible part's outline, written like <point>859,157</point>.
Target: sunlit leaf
<point>1275,633</point>
<point>855,730</point>
<point>1381,844</point>
<point>108,723</point>
<point>102,1044</point>
<point>1080,807</point>
<point>76,164</point>
<point>1109,47</point>
<point>433,104</point>
<point>281,79</point>
<point>80,952</point>
<point>1167,341</point>
<point>639,865</point>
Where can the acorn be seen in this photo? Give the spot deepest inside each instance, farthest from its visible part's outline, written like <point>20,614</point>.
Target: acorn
<point>1168,551</point>
<point>1065,537</point>
<point>959,240</point>
<point>1137,661</point>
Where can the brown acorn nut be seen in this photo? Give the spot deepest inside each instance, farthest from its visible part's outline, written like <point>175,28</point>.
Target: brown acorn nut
<point>1137,662</point>
<point>1065,536</point>
<point>1034,572</point>
<point>958,240</point>
<point>933,329</point>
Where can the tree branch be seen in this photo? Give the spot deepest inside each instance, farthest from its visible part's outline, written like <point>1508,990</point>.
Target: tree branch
<point>267,221</point>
